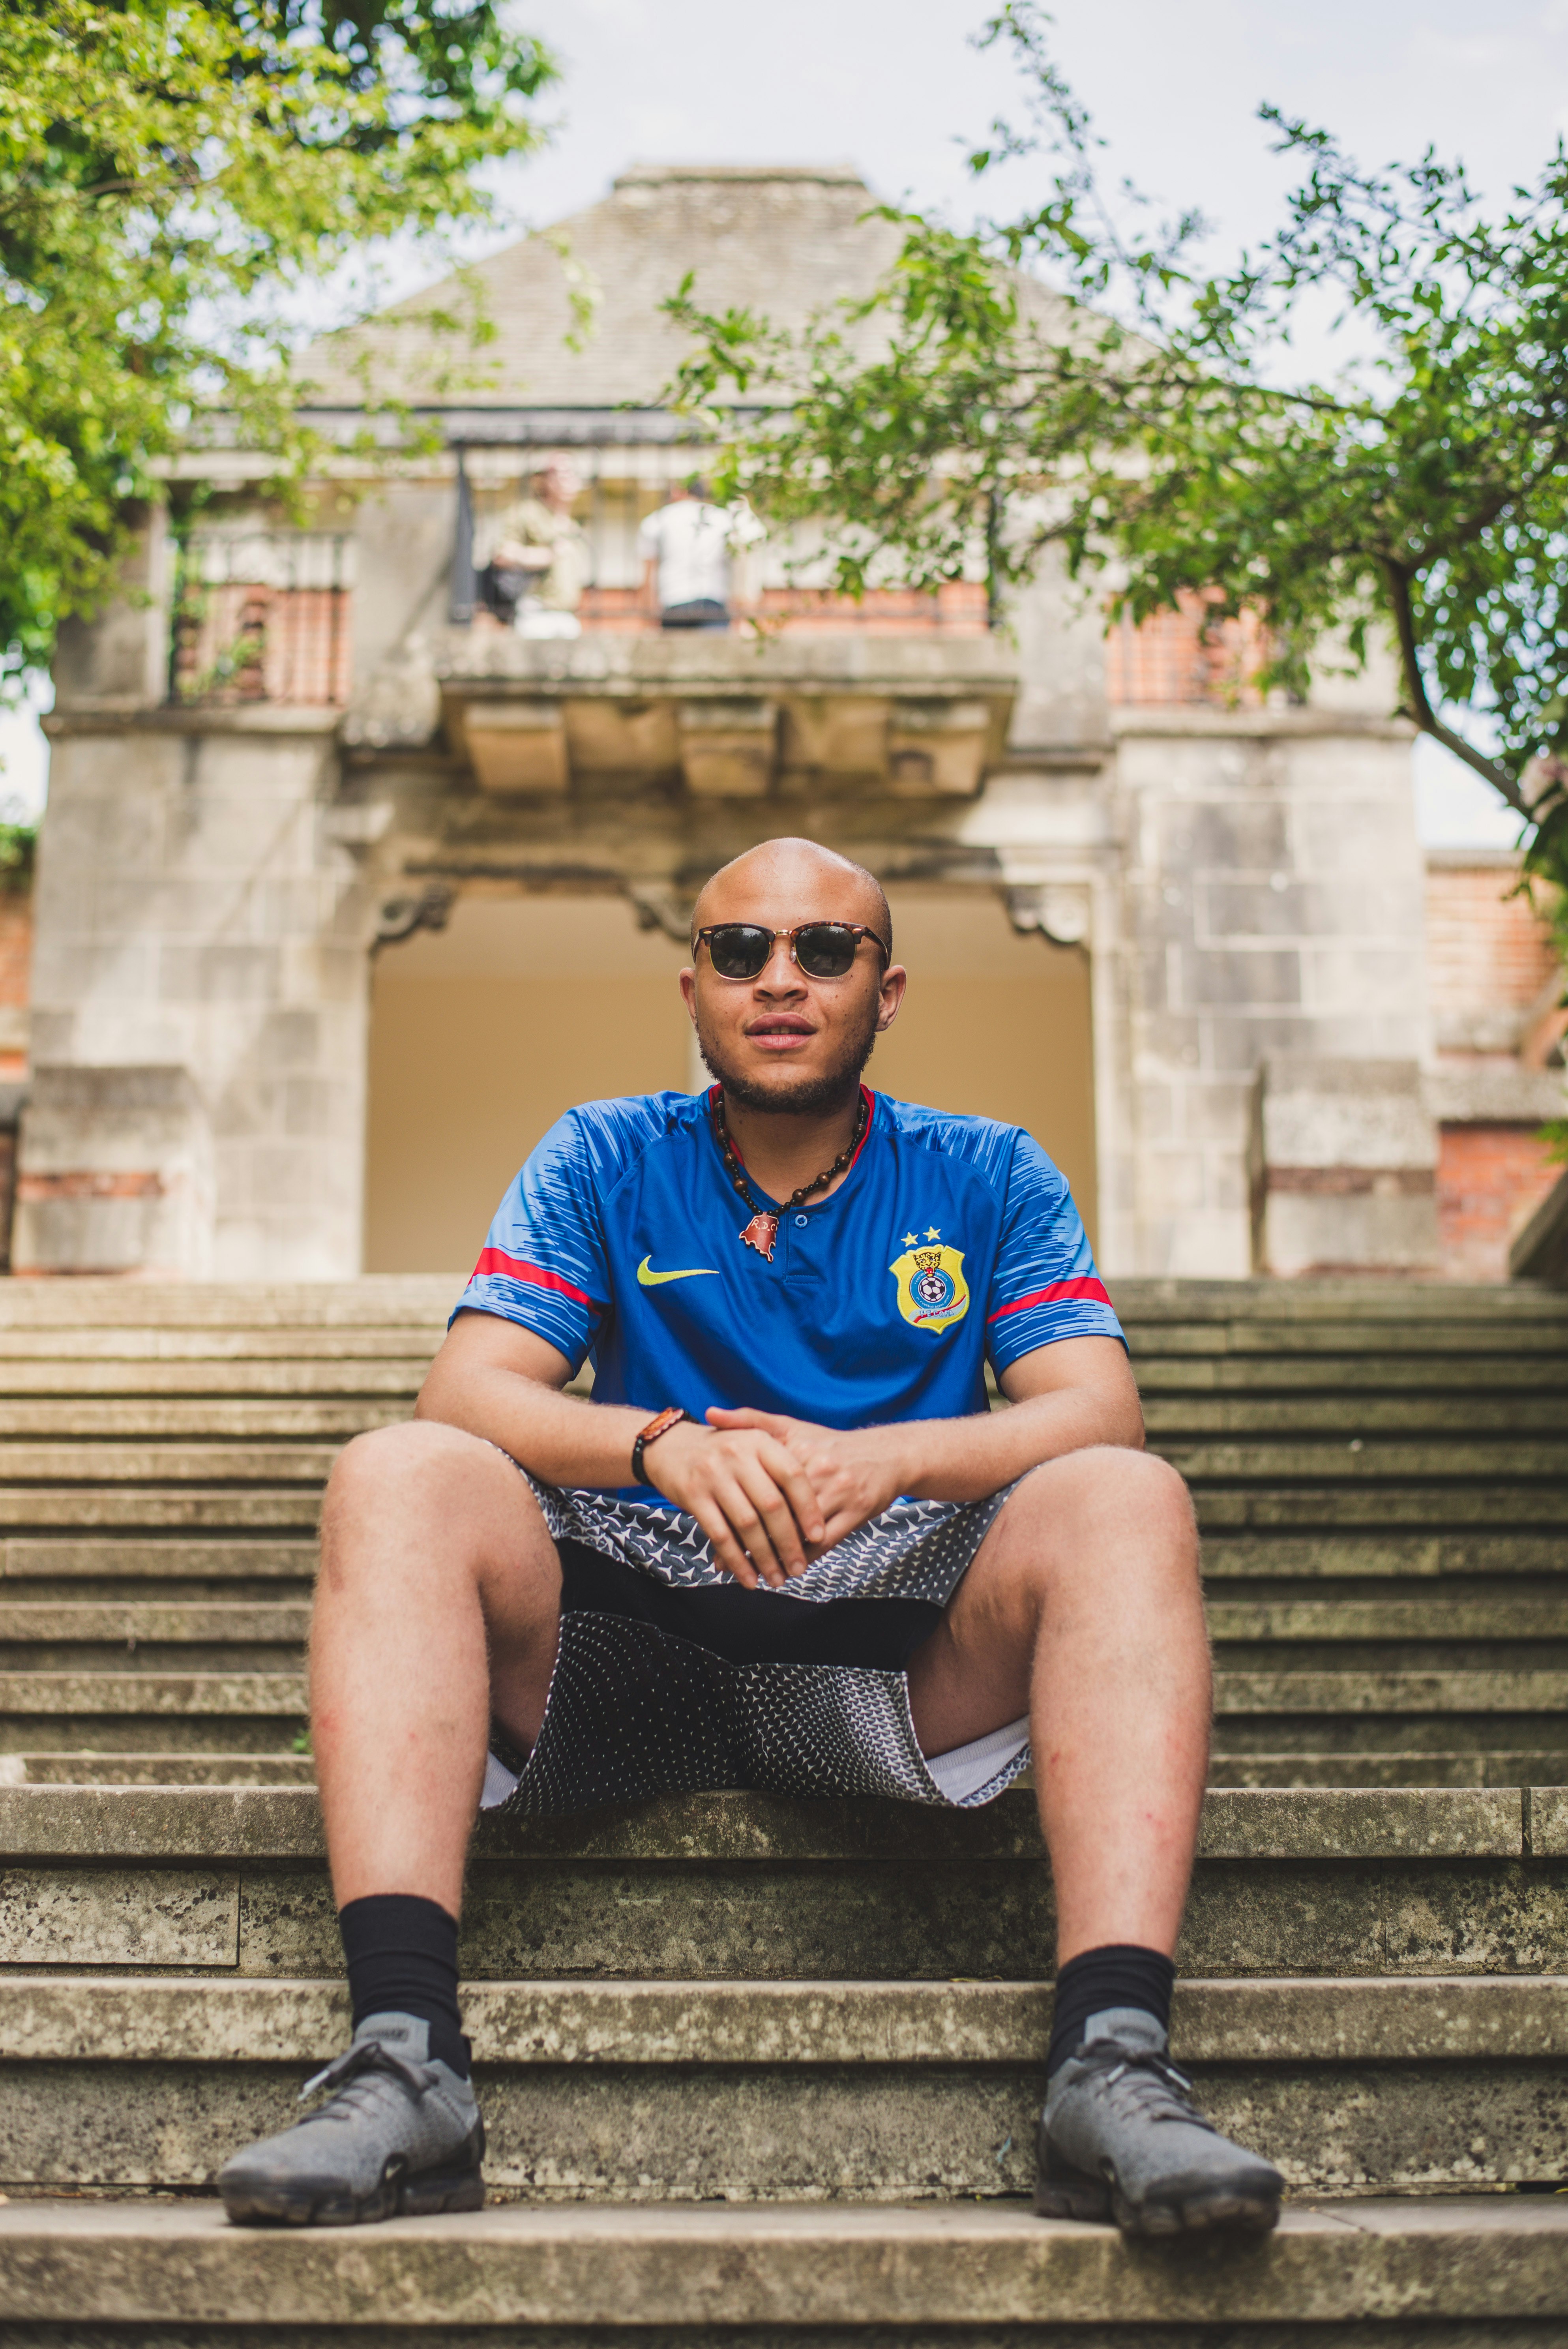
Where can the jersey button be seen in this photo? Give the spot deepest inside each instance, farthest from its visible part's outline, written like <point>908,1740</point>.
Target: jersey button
<point>801,1221</point>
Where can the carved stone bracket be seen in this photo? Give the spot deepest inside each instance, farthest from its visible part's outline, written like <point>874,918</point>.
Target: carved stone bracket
<point>660,907</point>
<point>1058,910</point>
<point>429,908</point>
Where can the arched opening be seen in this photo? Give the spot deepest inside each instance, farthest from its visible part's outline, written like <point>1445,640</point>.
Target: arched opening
<point>483,1033</point>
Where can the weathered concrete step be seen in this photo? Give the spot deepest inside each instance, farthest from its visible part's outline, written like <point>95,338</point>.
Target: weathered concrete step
<point>1316,1375</point>
<point>138,1624</point>
<point>160,1823</point>
<point>718,2278</point>
<point>293,1378</point>
<point>126,1346</point>
<point>1345,1881</point>
<point>281,1622</point>
<point>111,1690</point>
<point>1505,1511</point>
<point>1359,1461</point>
<point>1242,1304</point>
<point>1393,1766</point>
<point>219,1769</point>
<point>1437,1615</point>
<point>1358,1554</point>
<point>223,1419</point>
<point>31,1511</point>
<point>1418,1417</point>
<point>1383,1692</point>
<point>378,1301</point>
<point>866,2091</point>
<point>126,1559</point>
<point>165,1463</point>
<point>81,1692</point>
<point>63,1622</point>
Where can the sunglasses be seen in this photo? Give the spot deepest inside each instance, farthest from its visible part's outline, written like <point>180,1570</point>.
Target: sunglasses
<point>822,949</point>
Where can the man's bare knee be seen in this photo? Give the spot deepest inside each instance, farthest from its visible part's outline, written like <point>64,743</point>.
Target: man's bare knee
<point>388,1481</point>
<point>1107,1506</point>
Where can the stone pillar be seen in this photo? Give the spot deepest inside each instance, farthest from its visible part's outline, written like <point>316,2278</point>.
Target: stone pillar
<point>1344,1162</point>
<point>201,978</point>
<point>1273,887</point>
<point>115,1175</point>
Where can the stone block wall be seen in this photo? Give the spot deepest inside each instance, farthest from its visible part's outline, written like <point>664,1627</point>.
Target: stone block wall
<point>1273,887</point>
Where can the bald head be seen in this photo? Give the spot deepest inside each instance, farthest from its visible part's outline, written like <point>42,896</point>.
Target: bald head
<point>799,881</point>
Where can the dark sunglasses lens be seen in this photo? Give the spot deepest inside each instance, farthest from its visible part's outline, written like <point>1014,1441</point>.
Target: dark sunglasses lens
<point>739,950</point>
<point>826,949</point>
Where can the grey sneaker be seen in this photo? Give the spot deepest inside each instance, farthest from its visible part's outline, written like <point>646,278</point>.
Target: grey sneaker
<point>1120,2139</point>
<point>399,2136</point>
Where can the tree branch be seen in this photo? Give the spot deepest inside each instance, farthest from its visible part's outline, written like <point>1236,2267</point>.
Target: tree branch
<point>1397,580</point>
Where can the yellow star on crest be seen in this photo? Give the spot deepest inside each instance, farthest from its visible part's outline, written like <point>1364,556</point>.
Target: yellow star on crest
<point>931,1233</point>
<point>910,1238</point>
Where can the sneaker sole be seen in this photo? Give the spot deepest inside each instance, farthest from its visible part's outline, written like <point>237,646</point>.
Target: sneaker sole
<point>1224,2214</point>
<point>320,2202</point>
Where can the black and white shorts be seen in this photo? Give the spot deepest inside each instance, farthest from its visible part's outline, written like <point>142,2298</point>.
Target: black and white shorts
<point>671,1678</point>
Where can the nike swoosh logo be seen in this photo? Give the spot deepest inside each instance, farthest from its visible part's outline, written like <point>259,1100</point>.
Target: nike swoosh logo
<point>649,1279</point>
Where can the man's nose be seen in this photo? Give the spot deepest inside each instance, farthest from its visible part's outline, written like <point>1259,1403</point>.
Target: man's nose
<point>780,971</point>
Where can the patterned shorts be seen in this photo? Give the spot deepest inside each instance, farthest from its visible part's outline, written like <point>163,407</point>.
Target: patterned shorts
<point>671,1678</point>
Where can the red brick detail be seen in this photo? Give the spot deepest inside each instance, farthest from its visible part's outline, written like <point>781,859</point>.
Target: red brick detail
<point>16,949</point>
<point>289,646</point>
<point>88,1183</point>
<point>1491,1180</point>
<point>1174,657</point>
<point>1485,946</point>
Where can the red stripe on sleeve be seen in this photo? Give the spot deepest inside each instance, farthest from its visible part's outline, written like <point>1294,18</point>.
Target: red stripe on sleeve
<point>1086,1286</point>
<point>513,1267</point>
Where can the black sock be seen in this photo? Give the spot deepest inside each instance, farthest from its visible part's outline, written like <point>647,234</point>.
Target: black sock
<point>1121,1974</point>
<point>402,1958</point>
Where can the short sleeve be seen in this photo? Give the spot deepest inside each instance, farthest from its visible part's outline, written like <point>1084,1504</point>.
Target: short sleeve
<point>650,536</point>
<point>1044,1286</point>
<point>543,1264</point>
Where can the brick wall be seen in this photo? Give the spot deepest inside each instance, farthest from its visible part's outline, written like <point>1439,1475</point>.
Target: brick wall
<point>1486,947</point>
<point>15,975</point>
<point>1491,1180</point>
<point>1173,658</point>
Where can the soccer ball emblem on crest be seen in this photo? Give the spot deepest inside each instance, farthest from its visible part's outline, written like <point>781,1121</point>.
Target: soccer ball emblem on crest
<point>932,1292</point>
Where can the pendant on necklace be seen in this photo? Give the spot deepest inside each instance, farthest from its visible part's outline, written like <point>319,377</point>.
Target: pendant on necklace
<point>761,1233</point>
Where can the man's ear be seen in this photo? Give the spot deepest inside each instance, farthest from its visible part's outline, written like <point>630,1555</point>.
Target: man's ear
<point>894,980</point>
<point>688,992</point>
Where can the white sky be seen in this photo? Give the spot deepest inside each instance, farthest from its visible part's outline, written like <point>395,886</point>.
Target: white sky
<point>893,86</point>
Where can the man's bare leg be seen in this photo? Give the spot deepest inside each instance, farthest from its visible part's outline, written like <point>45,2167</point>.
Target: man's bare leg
<point>437,1601</point>
<point>439,1598</point>
<point>1083,1611</point>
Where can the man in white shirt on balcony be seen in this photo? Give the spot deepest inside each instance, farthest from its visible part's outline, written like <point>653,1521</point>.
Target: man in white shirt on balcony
<point>687,547</point>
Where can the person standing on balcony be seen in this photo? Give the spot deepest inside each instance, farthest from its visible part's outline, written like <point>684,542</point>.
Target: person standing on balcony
<point>532,560</point>
<point>785,1545</point>
<point>687,547</point>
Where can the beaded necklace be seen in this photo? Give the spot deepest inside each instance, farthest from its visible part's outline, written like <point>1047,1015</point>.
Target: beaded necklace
<point>762,1232</point>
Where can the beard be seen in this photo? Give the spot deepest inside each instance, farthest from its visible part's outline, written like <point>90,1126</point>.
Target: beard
<point>807,1096</point>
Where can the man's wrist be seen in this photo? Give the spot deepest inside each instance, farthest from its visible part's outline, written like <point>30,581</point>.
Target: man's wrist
<point>672,1416</point>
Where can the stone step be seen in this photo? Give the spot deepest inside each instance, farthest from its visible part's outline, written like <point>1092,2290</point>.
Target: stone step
<point>226,1420</point>
<point>113,1464</point>
<point>111,1689</point>
<point>1456,2272</point>
<point>1266,1622</point>
<point>1334,1881</point>
<point>375,1301</point>
<point>1360,1461</point>
<point>1356,1377</point>
<point>223,1769</point>
<point>1172,1418</point>
<point>23,1384</point>
<point>32,1511</point>
<point>134,1561</point>
<point>788,2091</point>
<point>1489,1765</point>
<point>1362,1554</point>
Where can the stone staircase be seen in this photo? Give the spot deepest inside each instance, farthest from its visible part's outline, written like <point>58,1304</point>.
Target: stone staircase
<point>757,2073</point>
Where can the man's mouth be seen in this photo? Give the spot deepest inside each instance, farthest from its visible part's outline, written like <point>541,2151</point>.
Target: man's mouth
<point>781,1033</point>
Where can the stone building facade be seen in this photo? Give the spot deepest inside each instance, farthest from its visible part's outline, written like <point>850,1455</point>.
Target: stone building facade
<point>345,889</point>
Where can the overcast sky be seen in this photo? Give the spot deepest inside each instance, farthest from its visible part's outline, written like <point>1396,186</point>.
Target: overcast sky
<point>894,87</point>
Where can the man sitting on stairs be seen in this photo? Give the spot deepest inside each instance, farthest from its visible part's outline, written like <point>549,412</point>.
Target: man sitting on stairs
<point>786,1546</point>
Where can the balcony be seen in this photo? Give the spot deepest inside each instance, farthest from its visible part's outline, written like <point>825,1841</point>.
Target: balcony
<point>918,715</point>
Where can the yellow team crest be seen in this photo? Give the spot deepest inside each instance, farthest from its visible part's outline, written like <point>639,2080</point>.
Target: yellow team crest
<point>931,1291</point>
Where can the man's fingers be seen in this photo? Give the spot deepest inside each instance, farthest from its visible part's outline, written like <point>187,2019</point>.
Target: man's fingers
<point>797,1488</point>
<point>762,1487</point>
<point>771,1422</point>
<point>726,1550</point>
<point>747,1525</point>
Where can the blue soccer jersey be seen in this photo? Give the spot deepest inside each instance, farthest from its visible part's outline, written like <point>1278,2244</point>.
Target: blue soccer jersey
<point>951,1238</point>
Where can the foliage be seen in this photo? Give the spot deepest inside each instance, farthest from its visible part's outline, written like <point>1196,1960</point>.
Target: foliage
<point>18,855</point>
<point>1143,422</point>
<point>168,169</point>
